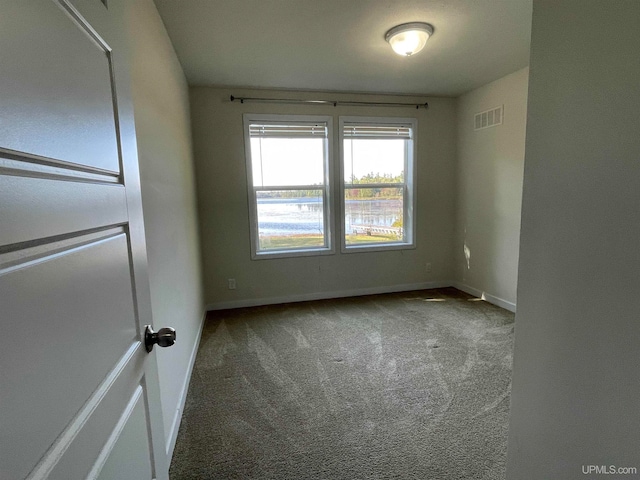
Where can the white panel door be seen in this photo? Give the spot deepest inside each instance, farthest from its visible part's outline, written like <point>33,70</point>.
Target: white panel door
<point>79,393</point>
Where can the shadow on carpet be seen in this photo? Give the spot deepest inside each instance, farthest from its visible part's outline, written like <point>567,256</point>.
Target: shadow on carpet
<point>411,385</point>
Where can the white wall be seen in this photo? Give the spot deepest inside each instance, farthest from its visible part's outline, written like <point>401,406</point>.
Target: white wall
<point>224,215</point>
<point>577,342</point>
<point>489,174</point>
<point>161,108</point>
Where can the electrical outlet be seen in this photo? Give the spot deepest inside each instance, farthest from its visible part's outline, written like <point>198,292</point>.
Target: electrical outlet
<point>232,283</point>
<point>428,267</point>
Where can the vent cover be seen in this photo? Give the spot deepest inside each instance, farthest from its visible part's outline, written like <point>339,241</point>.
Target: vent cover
<point>488,118</point>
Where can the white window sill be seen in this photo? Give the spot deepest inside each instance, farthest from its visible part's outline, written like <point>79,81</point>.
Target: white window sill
<point>377,247</point>
<point>307,252</point>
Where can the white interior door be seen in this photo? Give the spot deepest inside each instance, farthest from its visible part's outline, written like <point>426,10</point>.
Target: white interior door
<point>79,393</point>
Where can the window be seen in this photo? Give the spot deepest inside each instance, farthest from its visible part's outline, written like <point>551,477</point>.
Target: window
<point>377,182</point>
<point>288,173</point>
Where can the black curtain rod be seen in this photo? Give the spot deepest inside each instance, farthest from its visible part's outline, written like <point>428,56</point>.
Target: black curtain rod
<point>335,103</point>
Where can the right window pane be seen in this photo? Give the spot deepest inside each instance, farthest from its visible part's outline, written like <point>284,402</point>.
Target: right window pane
<point>374,215</point>
<point>377,165</point>
<point>374,160</point>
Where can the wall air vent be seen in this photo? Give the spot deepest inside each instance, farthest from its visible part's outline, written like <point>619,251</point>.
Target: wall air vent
<point>488,118</point>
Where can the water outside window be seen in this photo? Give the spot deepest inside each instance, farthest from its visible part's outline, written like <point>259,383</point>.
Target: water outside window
<point>290,219</point>
<point>377,219</point>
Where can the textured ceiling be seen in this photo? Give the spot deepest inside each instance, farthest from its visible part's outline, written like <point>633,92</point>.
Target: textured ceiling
<point>338,45</point>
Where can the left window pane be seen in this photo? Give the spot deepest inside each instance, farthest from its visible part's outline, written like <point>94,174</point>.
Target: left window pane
<point>289,219</point>
<point>288,171</point>
<point>279,162</point>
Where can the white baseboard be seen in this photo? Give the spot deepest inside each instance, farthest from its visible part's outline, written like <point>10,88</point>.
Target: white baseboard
<point>175,425</point>
<point>500,302</point>
<point>324,295</point>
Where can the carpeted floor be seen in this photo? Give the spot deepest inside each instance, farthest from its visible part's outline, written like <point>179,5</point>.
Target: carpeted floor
<point>411,385</point>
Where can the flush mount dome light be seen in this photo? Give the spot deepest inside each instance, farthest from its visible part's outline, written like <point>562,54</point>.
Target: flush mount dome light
<point>409,38</point>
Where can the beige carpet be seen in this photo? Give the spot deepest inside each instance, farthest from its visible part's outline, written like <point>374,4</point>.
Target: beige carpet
<point>402,386</point>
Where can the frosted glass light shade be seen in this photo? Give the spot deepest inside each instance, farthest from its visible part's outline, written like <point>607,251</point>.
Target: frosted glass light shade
<point>409,38</point>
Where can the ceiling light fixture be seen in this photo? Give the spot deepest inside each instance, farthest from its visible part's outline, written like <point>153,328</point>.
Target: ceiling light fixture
<point>409,38</point>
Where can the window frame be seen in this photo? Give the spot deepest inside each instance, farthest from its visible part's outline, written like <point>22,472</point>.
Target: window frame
<point>410,190</point>
<point>328,210</point>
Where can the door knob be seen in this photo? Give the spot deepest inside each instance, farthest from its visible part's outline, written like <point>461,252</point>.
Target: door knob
<point>165,337</point>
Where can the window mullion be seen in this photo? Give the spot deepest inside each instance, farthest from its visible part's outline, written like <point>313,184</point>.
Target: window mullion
<point>374,185</point>
<point>272,188</point>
